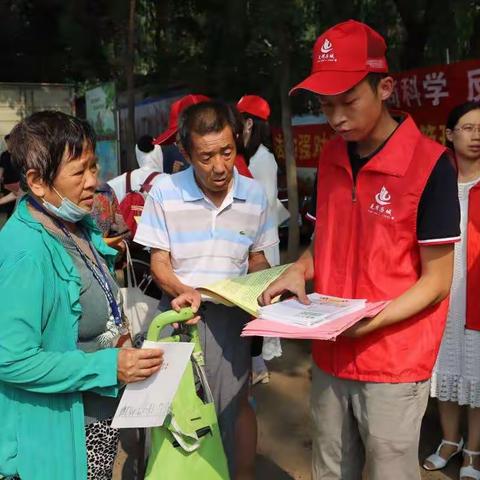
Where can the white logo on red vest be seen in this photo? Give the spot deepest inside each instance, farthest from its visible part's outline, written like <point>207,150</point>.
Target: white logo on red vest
<point>381,204</point>
<point>326,52</point>
<point>383,197</point>
<point>327,46</point>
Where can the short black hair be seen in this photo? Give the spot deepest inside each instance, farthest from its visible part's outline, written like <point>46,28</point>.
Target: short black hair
<point>374,79</point>
<point>456,114</point>
<point>208,117</point>
<point>145,143</point>
<point>42,140</point>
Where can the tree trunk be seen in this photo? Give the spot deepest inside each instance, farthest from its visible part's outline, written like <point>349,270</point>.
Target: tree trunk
<point>416,22</point>
<point>161,20</point>
<point>474,47</point>
<point>129,73</point>
<point>290,164</point>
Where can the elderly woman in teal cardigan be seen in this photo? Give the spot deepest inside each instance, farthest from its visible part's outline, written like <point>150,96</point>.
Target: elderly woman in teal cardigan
<point>60,313</point>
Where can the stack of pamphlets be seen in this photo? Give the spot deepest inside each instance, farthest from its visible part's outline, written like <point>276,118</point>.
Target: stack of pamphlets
<point>324,319</point>
<point>322,309</point>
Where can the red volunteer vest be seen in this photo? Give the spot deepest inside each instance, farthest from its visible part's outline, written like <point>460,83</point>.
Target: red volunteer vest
<point>473,259</point>
<point>366,247</point>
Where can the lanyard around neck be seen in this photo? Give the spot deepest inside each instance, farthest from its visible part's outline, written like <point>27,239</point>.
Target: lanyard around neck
<point>99,274</point>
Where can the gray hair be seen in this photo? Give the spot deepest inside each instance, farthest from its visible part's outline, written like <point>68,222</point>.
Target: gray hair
<point>42,140</point>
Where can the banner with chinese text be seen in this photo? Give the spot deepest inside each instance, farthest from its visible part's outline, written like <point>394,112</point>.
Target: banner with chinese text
<point>428,94</point>
<point>308,140</point>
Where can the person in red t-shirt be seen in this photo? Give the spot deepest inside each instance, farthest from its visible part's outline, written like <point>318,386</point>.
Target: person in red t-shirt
<point>387,216</point>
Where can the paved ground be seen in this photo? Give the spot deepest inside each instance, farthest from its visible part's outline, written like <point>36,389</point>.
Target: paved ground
<point>284,438</point>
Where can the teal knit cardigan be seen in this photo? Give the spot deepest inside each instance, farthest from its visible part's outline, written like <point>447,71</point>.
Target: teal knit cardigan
<point>42,373</point>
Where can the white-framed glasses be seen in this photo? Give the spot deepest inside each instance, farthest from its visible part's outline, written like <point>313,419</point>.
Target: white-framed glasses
<point>469,128</point>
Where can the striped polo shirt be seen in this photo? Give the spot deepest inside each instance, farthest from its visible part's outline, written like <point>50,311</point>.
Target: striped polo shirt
<point>206,243</point>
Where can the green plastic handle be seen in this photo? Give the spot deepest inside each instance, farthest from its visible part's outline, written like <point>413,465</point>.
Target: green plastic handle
<point>167,318</point>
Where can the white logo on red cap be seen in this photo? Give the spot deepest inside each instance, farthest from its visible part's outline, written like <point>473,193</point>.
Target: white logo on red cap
<point>326,53</point>
<point>327,46</point>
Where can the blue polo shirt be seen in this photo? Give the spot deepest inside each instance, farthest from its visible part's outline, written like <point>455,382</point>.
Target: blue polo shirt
<point>206,243</point>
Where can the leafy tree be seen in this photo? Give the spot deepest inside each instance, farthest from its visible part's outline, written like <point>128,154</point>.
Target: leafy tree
<point>220,48</point>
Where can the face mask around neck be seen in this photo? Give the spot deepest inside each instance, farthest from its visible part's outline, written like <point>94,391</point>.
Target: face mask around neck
<point>68,211</point>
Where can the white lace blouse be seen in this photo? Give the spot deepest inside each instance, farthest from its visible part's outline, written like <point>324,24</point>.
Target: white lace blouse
<point>456,376</point>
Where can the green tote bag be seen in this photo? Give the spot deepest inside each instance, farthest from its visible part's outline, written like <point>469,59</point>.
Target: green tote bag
<point>188,445</point>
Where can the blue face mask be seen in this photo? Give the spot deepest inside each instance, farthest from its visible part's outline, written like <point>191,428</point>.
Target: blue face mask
<point>68,211</point>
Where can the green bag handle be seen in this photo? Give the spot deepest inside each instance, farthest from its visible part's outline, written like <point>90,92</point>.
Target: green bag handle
<point>167,318</point>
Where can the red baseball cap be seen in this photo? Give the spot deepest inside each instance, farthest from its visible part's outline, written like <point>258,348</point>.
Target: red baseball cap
<point>254,105</point>
<point>343,56</point>
<point>175,110</point>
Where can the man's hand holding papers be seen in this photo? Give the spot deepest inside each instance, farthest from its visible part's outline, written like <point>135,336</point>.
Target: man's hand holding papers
<point>292,280</point>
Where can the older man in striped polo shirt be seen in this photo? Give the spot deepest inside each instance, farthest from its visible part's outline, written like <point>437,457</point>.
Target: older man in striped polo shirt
<point>205,224</point>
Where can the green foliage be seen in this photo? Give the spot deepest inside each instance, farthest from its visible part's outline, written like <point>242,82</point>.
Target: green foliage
<point>221,48</point>
<point>109,89</point>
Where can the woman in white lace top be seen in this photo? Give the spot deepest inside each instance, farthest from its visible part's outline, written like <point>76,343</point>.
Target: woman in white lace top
<point>456,377</point>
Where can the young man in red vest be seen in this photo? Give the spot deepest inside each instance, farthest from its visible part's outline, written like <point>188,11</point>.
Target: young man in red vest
<point>386,219</point>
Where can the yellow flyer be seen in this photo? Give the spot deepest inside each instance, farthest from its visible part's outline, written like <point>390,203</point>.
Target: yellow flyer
<point>243,291</point>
